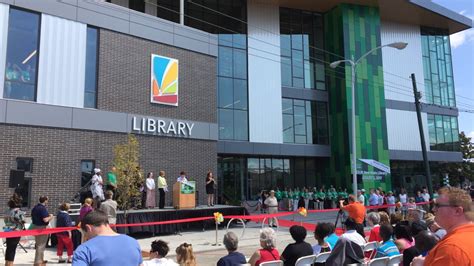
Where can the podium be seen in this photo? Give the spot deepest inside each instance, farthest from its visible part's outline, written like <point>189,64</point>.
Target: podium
<point>184,195</point>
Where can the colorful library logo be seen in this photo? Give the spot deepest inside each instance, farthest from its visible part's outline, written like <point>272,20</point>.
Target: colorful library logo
<point>164,80</point>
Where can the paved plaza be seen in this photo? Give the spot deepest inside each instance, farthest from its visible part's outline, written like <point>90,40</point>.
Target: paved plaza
<point>203,242</point>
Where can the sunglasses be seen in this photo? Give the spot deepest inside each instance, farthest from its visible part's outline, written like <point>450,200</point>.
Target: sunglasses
<point>439,205</point>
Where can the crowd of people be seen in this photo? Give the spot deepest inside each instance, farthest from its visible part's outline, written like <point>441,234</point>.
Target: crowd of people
<point>418,235</point>
<point>318,199</point>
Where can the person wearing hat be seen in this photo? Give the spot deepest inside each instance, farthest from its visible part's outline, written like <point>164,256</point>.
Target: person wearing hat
<point>97,188</point>
<point>272,207</point>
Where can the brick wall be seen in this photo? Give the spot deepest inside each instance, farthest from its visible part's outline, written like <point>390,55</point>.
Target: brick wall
<point>124,79</point>
<point>57,155</point>
<point>123,86</point>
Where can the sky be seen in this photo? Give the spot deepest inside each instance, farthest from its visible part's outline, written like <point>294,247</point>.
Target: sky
<point>462,47</point>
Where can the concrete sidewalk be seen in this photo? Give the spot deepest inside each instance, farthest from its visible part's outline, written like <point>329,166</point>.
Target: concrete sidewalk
<point>202,241</point>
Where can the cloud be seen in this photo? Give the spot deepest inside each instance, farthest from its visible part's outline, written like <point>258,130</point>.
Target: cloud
<point>462,37</point>
<point>471,135</point>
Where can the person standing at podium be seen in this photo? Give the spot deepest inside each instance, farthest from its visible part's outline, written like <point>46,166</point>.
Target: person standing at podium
<point>162,188</point>
<point>182,177</point>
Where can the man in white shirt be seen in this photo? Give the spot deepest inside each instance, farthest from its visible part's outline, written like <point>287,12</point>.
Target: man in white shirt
<point>159,250</point>
<point>351,233</point>
<point>425,195</point>
<point>182,177</point>
<point>360,197</point>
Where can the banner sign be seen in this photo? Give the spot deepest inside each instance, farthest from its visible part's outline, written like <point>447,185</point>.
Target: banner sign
<point>382,167</point>
<point>188,187</point>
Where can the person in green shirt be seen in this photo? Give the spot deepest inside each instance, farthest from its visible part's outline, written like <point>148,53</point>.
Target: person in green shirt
<point>321,196</point>
<point>111,183</point>
<point>278,194</point>
<point>296,196</point>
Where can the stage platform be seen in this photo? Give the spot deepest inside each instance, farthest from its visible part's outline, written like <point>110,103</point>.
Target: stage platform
<point>169,213</point>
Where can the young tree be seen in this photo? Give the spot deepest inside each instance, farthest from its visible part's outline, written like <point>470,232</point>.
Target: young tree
<point>129,175</point>
<point>459,172</point>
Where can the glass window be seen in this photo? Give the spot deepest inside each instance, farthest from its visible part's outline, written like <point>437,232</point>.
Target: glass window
<point>285,45</point>
<point>240,94</point>
<point>240,125</point>
<point>226,124</point>
<point>139,5</point>
<point>240,64</point>
<point>25,164</point>
<point>437,67</point>
<point>232,58</point>
<point>225,62</point>
<point>288,130</point>
<point>225,91</point>
<point>90,85</point>
<point>22,55</point>
<point>86,171</point>
<point>165,9</point>
<point>304,122</point>
<point>300,32</point>
<point>443,132</point>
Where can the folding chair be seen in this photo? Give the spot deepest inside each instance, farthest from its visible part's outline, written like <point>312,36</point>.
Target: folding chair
<point>322,257</point>
<point>370,247</point>
<point>272,263</point>
<point>378,262</point>
<point>306,260</point>
<point>395,260</point>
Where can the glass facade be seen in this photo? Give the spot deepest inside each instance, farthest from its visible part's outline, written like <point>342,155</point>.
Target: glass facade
<point>90,85</point>
<point>22,55</point>
<point>232,85</point>
<point>305,122</point>
<point>302,66</point>
<point>437,67</point>
<point>168,9</point>
<point>444,132</point>
<point>243,178</point>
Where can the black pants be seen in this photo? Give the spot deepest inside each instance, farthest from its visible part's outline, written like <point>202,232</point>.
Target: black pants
<point>161,204</point>
<point>12,243</point>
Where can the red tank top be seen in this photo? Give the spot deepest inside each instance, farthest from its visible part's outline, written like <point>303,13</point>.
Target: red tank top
<point>267,255</point>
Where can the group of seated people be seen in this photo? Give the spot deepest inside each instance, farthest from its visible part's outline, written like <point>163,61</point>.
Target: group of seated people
<point>413,236</point>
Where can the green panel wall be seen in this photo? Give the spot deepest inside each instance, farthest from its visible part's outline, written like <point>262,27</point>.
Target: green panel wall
<point>352,30</point>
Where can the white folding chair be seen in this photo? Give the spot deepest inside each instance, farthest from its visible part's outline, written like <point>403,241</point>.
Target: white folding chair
<point>378,262</point>
<point>370,247</point>
<point>272,263</point>
<point>395,260</point>
<point>306,260</point>
<point>322,257</point>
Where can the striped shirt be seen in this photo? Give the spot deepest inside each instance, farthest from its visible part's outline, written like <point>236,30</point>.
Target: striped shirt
<point>387,249</point>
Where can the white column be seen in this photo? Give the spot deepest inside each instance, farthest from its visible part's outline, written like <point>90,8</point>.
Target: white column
<point>4,12</point>
<point>264,73</point>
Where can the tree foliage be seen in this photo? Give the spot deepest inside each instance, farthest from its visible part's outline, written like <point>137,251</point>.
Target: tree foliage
<point>129,175</point>
<point>458,172</point>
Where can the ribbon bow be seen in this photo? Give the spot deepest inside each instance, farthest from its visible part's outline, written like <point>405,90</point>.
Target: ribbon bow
<point>302,211</point>
<point>218,218</point>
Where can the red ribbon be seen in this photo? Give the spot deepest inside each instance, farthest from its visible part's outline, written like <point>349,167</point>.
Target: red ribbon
<point>47,231</point>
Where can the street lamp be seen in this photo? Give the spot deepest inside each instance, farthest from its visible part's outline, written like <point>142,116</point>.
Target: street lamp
<point>397,45</point>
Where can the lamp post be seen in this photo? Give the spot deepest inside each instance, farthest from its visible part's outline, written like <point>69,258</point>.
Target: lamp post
<point>397,45</point>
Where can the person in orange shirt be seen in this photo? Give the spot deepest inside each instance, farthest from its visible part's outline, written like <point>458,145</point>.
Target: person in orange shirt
<point>356,211</point>
<point>454,212</point>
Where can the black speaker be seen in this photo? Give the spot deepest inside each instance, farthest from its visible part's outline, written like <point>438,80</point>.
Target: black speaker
<point>17,178</point>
